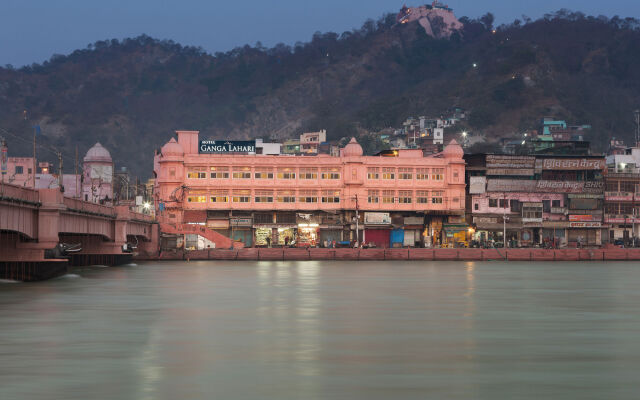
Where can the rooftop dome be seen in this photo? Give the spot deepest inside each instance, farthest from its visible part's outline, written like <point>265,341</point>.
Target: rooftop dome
<point>98,153</point>
<point>453,150</point>
<point>172,148</point>
<point>352,149</point>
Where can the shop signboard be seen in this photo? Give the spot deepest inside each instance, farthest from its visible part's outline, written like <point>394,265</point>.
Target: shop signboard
<point>558,210</point>
<point>241,221</point>
<point>413,220</point>
<point>580,218</point>
<point>510,162</point>
<point>585,224</point>
<point>621,220</point>
<point>510,171</point>
<point>618,196</point>
<point>226,146</point>
<point>477,184</point>
<point>377,218</point>
<point>590,187</point>
<point>510,185</point>
<point>573,164</point>
<point>485,220</point>
<point>218,223</point>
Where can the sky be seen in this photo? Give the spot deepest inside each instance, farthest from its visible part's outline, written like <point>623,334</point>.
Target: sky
<point>33,30</point>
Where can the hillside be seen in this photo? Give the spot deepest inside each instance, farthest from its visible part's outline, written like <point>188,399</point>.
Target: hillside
<point>130,95</point>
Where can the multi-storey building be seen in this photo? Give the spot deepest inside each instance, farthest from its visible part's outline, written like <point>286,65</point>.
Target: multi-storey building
<point>536,200</point>
<point>622,194</point>
<point>401,199</point>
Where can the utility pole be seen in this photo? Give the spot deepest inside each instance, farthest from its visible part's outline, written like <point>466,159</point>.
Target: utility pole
<point>3,163</point>
<point>60,172</point>
<point>357,219</point>
<point>76,175</point>
<point>504,221</point>
<point>34,157</point>
<point>637,115</point>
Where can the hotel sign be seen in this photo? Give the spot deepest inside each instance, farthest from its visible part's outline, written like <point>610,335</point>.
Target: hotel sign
<point>573,163</point>
<point>226,146</point>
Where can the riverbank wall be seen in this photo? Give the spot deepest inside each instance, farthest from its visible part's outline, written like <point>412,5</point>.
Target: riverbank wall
<point>410,254</point>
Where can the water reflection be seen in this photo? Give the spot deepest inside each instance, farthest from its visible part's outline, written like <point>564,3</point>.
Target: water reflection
<point>314,330</point>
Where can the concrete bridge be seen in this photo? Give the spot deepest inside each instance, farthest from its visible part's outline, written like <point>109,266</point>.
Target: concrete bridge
<point>33,221</point>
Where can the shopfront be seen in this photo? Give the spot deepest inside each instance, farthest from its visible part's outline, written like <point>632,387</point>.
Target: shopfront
<point>329,233</point>
<point>241,229</point>
<point>584,234</point>
<point>286,235</point>
<point>307,234</point>
<point>377,229</point>
<point>263,236</point>
<point>413,230</point>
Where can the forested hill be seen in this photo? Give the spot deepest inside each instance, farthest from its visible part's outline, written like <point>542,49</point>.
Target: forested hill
<point>132,94</point>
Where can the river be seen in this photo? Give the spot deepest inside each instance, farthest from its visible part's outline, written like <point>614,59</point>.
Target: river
<point>325,330</point>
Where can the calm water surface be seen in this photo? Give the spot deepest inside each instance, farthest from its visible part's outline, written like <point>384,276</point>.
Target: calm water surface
<point>325,330</point>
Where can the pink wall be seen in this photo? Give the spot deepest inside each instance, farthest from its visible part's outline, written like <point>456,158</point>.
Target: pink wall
<point>24,179</point>
<point>482,200</point>
<point>172,169</point>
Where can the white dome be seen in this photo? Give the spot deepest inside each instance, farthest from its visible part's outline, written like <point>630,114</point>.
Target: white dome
<point>98,153</point>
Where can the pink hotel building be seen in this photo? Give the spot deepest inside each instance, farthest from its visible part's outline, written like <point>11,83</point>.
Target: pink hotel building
<point>403,198</point>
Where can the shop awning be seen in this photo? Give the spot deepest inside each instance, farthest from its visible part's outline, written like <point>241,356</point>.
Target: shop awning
<point>455,227</point>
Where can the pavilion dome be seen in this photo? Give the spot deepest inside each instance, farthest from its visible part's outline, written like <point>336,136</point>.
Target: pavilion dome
<point>352,149</point>
<point>97,153</point>
<point>453,150</point>
<point>172,148</point>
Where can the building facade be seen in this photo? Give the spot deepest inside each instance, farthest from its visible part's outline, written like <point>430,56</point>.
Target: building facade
<point>407,199</point>
<point>536,200</point>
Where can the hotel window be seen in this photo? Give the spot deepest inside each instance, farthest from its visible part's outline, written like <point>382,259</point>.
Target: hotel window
<point>493,202</point>
<point>308,173</point>
<point>331,173</point>
<point>196,198</point>
<point>19,170</point>
<point>331,196</point>
<point>388,173</point>
<point>422,174</point>
<point>241,173</point>
<point>388,196</point>
<point>286,173</point>
<point>455,176</point>
<point>263,173</point>
<point>219,172</point>
<point>405,196</point>
<point>196,173</point>
<point>437,174</point>
<point>220,196</point>
<point>372,196</point>
<point>241,196</point>
<point>372,173</point>
<point>286,196</point>
<point>422,196</point>
<point>264,196</point>
<point>555,203</point>
<point>172,172</point>
<point>308,196</point>
<point>405,173</point>
<point>437,197</point>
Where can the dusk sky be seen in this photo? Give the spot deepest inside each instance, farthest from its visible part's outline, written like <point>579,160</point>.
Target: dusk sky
<point>33,30</point>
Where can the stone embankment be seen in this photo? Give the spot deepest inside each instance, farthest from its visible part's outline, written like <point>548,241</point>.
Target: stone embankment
<point>280,254</point>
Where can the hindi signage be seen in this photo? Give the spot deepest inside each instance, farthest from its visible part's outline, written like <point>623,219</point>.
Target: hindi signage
<point>506,161</point>
<point>226,146</point>
<point>573,163</point>
<point>377,218</point>
<point>585,224</point>
<point>580,218</point>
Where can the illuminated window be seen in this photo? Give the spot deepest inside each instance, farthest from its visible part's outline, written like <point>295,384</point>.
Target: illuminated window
<point>220,196</point>
<point>437,174</point>
<point>331,196</point>
<point>437,197</point>
<point>308,173</point>
<point>195,198</point>
<point>286,173</point>
<point>286,196</point>
<point>405,173</point>
<point>388,196</point>
<point>372,173</point>
<point>219,172</point>
<point>372,196</point>
<point>197,173</point>
<point>241,173</point>
<point>422,174</point>
<point>331,173</point>
<point>264,196</point>
<point>308,196</point>
<point>405,196</point>
<point>263,173</point>
<point>388,173</point>
<point>241,196</point>
<point>422,196</point>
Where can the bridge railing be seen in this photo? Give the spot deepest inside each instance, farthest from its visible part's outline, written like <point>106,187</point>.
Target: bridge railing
<point>19,193</point>
<point>80,205</point>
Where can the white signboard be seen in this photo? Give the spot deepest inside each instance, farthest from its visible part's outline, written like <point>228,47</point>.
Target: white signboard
<point>377,218</point>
